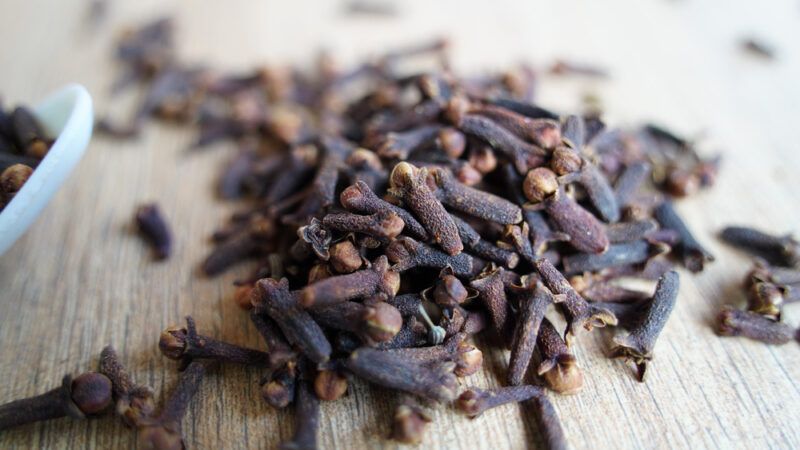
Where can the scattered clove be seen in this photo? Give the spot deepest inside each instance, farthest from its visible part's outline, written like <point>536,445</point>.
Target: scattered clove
<point>86,395</point>
<point>154,228</point>
<point>638,344</point>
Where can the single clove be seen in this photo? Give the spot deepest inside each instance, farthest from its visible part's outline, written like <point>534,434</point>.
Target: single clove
<point>404,374</point>
<point>86,395</point>
<point>585,231</point>
<point>273,298</point>
<point>474,202</point>
<point>377,279</point>
<point>359,197</point>
<point>638,344</point>
<point>410,184</point>
<point>134,403</point>
<point>184,344</point>
<point>734,322</point>
<point>473,402</point>
<point>533,304</point>
<point>780,250</point>
<point>406,253</point>
<point>155,229</point>
<point>693,254</point>
<point>578,312</point>
<point>558,366</point>
<point>164,432</point>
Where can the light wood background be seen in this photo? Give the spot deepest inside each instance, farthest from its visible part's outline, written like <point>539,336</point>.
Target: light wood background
<point>80,279</point>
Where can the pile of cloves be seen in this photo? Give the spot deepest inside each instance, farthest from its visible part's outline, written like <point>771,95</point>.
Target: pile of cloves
<point>23,144</point>
<point>772,282</point>
<point>396,214</point>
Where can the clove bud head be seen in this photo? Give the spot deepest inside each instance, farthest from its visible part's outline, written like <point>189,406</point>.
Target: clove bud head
<point>330,385</point>
<point>539,184</point>
<point>565,161</point>
<point>172,342</point>
<point>345,257</point>
<point>91,393</point>
<point>449,291</point>
<point>382,321</point>
<point>470,360</point>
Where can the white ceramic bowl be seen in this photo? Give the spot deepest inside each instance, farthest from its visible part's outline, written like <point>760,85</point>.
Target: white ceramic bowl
<point>67,114</point>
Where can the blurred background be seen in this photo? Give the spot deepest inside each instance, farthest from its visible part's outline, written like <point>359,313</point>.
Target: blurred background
<point>678,63</point>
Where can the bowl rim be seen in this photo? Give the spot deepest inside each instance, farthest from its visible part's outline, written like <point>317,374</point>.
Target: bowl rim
<point>60,153</point>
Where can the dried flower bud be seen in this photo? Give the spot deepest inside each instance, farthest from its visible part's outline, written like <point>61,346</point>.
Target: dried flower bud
<point>382,321</point>
<point>345,257</point>
<point>539,184</point>
<point>91,393</point>
<point>565,160</point>
<point>173,342</point>
<point>330,385</point>
<point>470,360</point>
<point>452,142</point>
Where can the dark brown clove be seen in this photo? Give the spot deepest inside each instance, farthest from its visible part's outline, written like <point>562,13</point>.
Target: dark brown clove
<point>165,431</point>
<point>491,292</point>
<point>638,344</point>
<point>374,323</point>
<point>406,253</point>
<point>410,184</point>
<point>307,412</point>
<point>693,254</point>
<point>617,255</point>
<point>622,232</point>
<point>401,144</point>
<point>734,322</point>
<point>245,243</point>
<point>578,312</point>
<point>86,395</point>
<point>154,228</point>
<point>393,372</point>
<point>278,349</point>
<point>467,357</point>
<point>545,133</point>
<point>474,202</point>
<point>780,250</point>
<point>381,225</point>
<point>134,403</point>
<point>559,367</point>
<point>359,197</point>
<point>585,231</point>
<point>273,298</point>
<point>473,402</point>
<point>480,247</point>
<point>11,181</point>
<point>379,278</point>
<point>184,344</point>
<point>629,182</point>
<point>533,304</point>
<point>549,426</point>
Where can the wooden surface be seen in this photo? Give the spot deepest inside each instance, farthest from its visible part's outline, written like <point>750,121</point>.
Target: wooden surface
<point>80,279</point>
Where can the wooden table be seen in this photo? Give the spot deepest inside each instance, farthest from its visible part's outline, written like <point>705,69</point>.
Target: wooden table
<point>80,278</point>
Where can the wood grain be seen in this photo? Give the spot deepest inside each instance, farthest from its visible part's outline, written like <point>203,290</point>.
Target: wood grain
<point>80,279</point>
